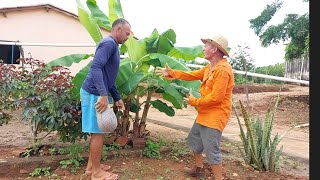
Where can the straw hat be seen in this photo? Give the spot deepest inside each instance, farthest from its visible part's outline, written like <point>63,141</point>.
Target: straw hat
<point>218,41</point>
<point>107,120</point>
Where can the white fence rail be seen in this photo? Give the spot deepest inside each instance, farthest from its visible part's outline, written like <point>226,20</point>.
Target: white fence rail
<point>261,75</point>
<point>189,65</point>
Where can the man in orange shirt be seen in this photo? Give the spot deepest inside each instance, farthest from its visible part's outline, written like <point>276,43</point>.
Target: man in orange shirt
<point>214,104</point>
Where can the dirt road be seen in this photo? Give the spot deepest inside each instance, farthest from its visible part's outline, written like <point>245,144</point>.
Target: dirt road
<point>292,110</point>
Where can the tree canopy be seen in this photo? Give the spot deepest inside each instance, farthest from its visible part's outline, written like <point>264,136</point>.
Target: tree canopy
<point>294,29</point>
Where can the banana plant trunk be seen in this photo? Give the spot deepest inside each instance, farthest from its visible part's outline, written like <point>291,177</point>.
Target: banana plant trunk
<point>136,123</point>
<point>123,122</point>
<point>142,125</point>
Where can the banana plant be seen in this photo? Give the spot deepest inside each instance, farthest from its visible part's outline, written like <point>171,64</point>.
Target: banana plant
<point>143,57</point>
<point>136,77</point>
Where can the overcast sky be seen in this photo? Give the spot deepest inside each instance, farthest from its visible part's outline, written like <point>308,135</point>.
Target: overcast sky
<point>193,20</point>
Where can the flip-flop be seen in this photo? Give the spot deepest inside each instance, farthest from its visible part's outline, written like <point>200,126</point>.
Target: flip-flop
<point>103,167</point>
<point>111,176</point>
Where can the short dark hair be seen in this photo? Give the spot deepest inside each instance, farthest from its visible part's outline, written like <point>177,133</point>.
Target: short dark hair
<point>120,21</point>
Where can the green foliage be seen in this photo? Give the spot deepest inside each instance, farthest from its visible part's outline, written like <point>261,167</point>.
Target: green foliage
<point>136,72</point>
<point>266,15</point>
<point>75,160</point>
<point>52,151</point>
<point>38,172</point>
<point>136,75</point>
<point>89,22</point>
<point>4,118</point>
<point>115,10</point>
<point>68,60</point>
<point>114,146</point>
<point>242,61</point>
<point>178,151</point>
<point>111,147</point>
<point>43,94</point>
<point>152,149</point>
<point>259,149</point>
<point>242,79</point>
<point>163,107</point>
<point>294,28</point>
<point>100,17</point>
<point>46,101</point>
<point>306,50</point>
<point>186,53</point>
<point>10,89</point>
<point>273,70</point>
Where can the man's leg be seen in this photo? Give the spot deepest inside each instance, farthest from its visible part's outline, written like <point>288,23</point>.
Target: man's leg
<point>211,141</point>
<point>89,165</point>
<point>96,143</point>
<point>195,143</point>
<point>90,125</point>
<point>198,159</point>
<point>217,171</point>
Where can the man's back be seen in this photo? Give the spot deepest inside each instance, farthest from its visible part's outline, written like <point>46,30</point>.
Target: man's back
<point>104,68</point>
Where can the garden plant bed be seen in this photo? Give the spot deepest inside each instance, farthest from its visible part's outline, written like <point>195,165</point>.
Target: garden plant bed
<point>131,164</point>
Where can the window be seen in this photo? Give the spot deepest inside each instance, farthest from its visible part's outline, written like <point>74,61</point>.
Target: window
<point>10,54</point>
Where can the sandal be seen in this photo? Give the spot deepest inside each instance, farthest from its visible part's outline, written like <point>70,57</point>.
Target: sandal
<point>111,176</point>
<point>103,167</point>
<point>195,171</point>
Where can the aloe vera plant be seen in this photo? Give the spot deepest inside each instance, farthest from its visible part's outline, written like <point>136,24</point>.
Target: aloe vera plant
<point>259,148</point>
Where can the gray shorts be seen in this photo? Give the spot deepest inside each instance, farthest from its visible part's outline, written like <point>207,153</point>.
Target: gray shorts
<point>202,139</point>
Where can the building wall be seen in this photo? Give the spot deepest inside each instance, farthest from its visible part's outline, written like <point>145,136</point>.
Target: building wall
<point>40,26</point>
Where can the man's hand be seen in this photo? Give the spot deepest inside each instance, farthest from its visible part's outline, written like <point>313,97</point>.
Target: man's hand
<point>188,97</point>
<point>164,72</point>
<point>120,104</point>
<point>102,103</point>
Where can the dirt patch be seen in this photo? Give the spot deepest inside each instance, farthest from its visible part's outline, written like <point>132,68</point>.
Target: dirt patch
<point>136,167</point>
<point>293,109</point>
<point>256,88</point>
<point>293,105</point>
<point>131,164</point>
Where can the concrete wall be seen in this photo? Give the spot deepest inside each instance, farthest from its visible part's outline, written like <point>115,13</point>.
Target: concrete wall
<point>42,26</point>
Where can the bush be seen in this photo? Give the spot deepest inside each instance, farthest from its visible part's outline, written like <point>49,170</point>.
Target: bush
<point>273,70</point>
<point>44,95</point>
<point>152,149</point>
<point>9,85</point>
<point>75,160</point>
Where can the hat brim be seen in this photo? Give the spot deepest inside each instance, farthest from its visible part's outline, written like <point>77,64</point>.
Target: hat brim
<point>216,45</point>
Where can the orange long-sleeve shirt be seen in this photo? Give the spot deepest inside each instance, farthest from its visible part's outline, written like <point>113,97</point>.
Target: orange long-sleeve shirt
<point>214,104</point>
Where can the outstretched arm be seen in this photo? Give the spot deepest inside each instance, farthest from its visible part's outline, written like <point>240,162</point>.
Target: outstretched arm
<point>171,74</point>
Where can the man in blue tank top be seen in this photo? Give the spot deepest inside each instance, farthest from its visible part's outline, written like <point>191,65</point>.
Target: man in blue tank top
<point>99,83</point>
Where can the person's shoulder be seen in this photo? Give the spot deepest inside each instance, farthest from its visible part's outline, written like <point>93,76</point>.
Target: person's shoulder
<point>108,41</point>
<point>224,65</point>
